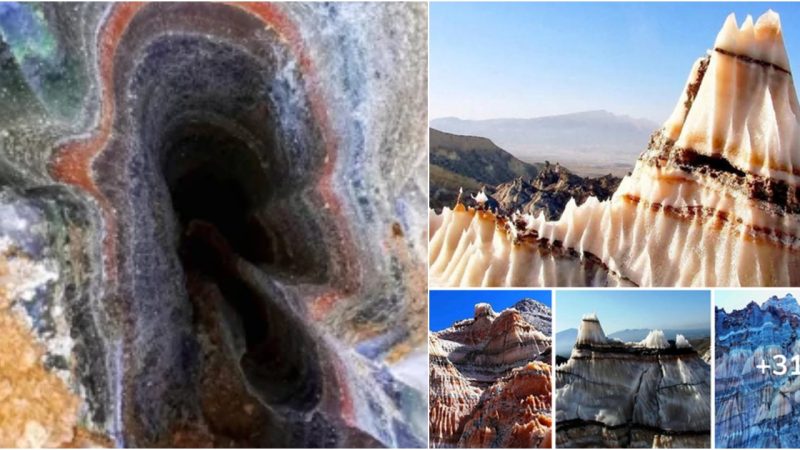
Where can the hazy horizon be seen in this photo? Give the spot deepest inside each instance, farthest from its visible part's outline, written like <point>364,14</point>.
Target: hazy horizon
<point>515,60</point>
<point>431,119</point>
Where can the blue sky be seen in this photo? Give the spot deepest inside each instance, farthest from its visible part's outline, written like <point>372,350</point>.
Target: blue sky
<point>490,60</point>
<point>632,309</point>
<point>739,298</point>
<point>447,307</point>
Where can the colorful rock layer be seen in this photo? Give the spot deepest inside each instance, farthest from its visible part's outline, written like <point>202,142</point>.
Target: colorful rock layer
<point>757,408</point>
<point>611,394</point>
<point>713,201</point>
<point>223,205</point>
<point>490,379</point>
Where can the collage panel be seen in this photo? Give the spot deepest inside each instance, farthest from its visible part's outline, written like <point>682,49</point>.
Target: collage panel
<point>213,224</point>
<point>623,153</point>
<point>490,369</point>
<point>633,369</point>
<point>757,359</point>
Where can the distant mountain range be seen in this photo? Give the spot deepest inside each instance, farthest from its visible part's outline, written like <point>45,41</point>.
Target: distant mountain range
<point>591,142</point>
<point>565,340</point>
<point>475,163</point>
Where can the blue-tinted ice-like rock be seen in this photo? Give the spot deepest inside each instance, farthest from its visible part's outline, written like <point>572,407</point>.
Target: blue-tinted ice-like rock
<point>755,408</point>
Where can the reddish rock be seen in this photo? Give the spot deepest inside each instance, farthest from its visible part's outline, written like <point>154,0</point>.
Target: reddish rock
<point>490,383</point>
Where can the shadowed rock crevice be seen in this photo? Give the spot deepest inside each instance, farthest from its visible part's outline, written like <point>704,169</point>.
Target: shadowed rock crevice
<point>217,200</point>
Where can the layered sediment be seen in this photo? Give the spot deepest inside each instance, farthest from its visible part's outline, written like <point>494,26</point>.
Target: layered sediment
<point>713,201</point>
<point>490,380</point>
<point>227,204</point>
<point>654,393</point>
<point>755,406</point>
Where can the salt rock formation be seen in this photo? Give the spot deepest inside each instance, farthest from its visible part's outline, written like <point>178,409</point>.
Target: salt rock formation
<point>713,201</point>
<point>756,408</point>
<point>212,225</point>
<point>654,393</point>
<point>490,380</point>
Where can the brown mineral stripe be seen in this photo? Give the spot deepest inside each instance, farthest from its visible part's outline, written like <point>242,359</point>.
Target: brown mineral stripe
<point>779,194</point>
<point>758,234</point>
<point>751,60</point>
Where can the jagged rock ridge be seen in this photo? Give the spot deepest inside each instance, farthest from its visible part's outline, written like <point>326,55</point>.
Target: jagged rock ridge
<point>655,393</point>
<point>490,379</point>
<point>550,191</point>
<point>755,408</point>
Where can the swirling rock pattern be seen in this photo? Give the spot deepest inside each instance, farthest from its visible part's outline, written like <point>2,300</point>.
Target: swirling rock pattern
<point>224,206</point>
<point>490,379</point>
<point>648,394</point>
<point>713,201</point>
<point>755,408</point>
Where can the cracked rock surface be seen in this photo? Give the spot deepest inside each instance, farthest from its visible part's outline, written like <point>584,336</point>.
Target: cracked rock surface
<point>654,393</point>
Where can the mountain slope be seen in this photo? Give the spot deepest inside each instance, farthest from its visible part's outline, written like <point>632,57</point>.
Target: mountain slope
<point>476,158</point>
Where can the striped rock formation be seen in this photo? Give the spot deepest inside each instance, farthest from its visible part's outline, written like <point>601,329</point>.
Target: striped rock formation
<point>713,201</point>
<point>757,407</point>
<point>490,380</point>
<point>223,208</point>
<point>654,393</point>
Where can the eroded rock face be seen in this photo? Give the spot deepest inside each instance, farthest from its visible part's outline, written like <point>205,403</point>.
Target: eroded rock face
<point>655,393</point>
<point>755,408</point>
<point>713,201</point>
<point>551,190</point>
<point>225,204</point>
<point>490,379</point>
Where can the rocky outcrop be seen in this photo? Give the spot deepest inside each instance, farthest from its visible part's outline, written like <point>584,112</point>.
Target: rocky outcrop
<point>549,192</point>
<point>654,393</point>
<point>490,380</point>
<point>714,200</point>
<point>212,224</point>
<point>757,408</point>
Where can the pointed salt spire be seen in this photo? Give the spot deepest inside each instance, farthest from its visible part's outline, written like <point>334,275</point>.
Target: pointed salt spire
<point>655,339</point>
<point>590,331</point>
<point>769,36</point>
<point>726,39</point>
<point>480,198</point>
<point>745,40</point>
<point>682,342</point>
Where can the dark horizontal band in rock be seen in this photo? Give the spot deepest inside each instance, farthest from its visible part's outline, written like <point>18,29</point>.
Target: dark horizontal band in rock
<point>564,425</point>
<point>751,60</point>
<point>781,197</point>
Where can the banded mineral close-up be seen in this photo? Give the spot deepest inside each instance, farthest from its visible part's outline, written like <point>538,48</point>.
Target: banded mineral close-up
<point>212,224</point>
<point>714,200</point>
